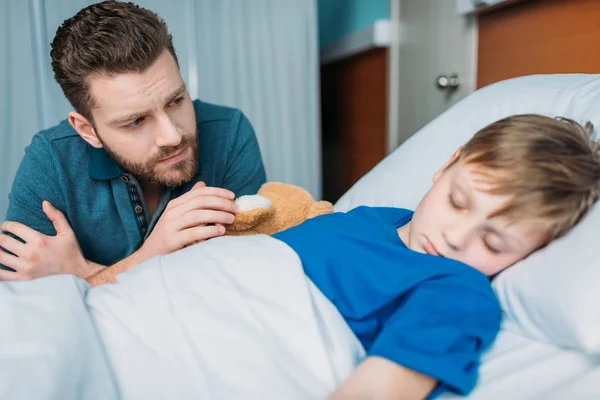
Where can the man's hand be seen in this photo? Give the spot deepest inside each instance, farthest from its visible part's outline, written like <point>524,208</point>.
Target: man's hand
<point>194,217</point>
<point>42,255</point>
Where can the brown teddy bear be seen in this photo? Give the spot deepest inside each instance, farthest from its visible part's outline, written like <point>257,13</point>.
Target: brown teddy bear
<point>275,208</point>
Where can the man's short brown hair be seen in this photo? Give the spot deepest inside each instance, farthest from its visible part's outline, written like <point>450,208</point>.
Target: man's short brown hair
<point>550,168</point>
<point>106,38</point>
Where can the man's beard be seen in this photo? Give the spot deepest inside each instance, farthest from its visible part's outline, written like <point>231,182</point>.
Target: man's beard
<point>177,175</point>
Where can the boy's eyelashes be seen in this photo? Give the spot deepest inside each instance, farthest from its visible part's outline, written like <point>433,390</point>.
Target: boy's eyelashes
<point>487,245</point>
<point>460,207</point>
<point>490,248</point>
<point>453,203</point>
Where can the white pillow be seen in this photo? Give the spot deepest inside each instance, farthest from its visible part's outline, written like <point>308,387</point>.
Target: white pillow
<point>554,295</point>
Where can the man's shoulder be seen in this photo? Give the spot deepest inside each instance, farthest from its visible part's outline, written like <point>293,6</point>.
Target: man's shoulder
<point>56,137</point>
<point>222,131</point>
<point>61,131</point>
<point>208,112</point>
<point>58,147</point>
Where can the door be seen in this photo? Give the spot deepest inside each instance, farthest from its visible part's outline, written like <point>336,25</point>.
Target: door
<point>433,41</point>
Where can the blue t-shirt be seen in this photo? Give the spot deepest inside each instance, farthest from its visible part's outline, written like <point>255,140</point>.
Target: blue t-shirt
<point>431,314</point>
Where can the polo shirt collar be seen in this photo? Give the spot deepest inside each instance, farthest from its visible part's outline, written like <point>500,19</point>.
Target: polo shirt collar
<point>101,166</point>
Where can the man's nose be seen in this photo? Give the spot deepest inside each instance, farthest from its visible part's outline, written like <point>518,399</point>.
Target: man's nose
<point>169,134</point>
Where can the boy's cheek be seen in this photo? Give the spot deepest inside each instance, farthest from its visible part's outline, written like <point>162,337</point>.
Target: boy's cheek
<point>490,265</point>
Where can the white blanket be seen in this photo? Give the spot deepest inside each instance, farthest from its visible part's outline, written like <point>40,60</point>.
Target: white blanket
<point>231,318</point>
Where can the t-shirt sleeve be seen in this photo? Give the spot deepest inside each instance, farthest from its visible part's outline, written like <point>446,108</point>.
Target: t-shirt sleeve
<point>440,329</point>
<point>245,172</point>
<point>35,181</point>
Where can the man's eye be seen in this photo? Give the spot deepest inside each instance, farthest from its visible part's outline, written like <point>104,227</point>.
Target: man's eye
<point>177,101</point>
<point>135,123</point>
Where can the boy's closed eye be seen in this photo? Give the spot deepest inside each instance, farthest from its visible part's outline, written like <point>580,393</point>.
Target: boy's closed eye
<point>454,203</point>
<point>491,248</point>
<point>458,200</point>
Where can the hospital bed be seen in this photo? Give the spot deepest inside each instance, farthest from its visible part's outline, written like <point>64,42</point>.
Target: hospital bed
<point>257,329</point>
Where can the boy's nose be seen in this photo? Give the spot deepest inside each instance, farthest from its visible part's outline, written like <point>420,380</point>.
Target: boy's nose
<point>458,236</point>
<point>453,246</point>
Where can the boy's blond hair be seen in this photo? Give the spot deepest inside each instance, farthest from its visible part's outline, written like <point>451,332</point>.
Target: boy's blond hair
<point>550,168</point>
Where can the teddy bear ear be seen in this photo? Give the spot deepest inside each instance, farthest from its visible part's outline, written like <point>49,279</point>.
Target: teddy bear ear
<point>274,189</point>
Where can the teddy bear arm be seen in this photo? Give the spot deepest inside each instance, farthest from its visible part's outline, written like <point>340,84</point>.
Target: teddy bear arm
<point>320,208</point>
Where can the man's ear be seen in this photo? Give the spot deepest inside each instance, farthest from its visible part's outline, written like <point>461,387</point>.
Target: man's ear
<point>85,129</point>
<point>451,161</point>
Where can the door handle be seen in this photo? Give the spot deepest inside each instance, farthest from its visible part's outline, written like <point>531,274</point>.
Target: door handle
<point>448,82</point>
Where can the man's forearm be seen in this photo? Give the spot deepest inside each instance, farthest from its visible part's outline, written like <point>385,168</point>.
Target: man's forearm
<point>109,274</point>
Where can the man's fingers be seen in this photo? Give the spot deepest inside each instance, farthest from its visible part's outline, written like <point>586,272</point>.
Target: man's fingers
<point>203,217</point>
<point>9,276</point>
<point>29,235</point>
<point>207,191</point>
<point>11,261</point>
<point>201,192</point>
<point>198,185</point>
<point>213,203</point>
<point>201,233</point>
<point>11,244</point>
<point>61,225</point>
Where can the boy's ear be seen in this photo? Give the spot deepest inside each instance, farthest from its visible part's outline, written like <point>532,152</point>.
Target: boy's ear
<point>451,161</point>
<point>85,129</point>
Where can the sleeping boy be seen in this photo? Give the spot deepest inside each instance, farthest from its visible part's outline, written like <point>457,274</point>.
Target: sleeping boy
<point>414,286</point>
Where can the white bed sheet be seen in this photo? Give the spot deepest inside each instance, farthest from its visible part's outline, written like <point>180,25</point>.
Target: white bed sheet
<point>519,368</point>
<point>307,340</point>
<point>230,318</point>
<point>51,348</point>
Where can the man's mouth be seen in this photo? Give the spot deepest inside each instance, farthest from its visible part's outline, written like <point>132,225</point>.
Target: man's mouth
<point>175,157</point>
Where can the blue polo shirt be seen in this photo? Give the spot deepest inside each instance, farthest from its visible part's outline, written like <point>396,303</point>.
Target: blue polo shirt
<point>431,314</point>
<point>105,206</point>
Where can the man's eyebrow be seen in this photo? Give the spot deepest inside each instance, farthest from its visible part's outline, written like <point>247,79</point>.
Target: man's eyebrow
<point>130,117</point>
<point>177,92</point>
<point>134,116</point>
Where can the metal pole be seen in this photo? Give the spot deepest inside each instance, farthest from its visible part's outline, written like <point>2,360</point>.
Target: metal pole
<point>393,122</point>
<point>37,18</point>
<point>192,15</point>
